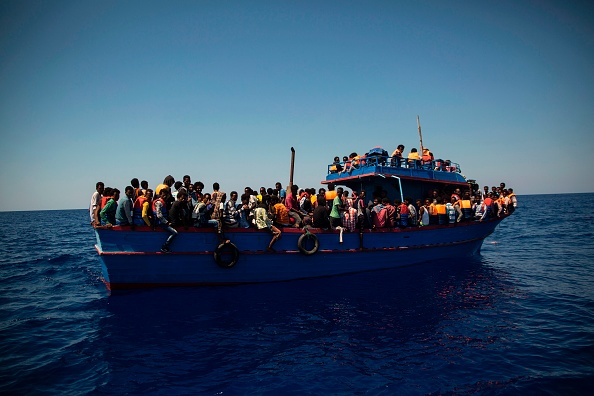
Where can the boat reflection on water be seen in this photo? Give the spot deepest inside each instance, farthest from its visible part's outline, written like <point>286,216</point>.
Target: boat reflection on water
<point>388,323</point>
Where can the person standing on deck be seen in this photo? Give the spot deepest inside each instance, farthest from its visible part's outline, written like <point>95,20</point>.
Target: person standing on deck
<point>218,200</point>
<point>179,215</point>
<point>108,211</point>
<point>161,219</point>
<point>337,207</point>
<point>263,223</point>
<point>124,210</point>
<point>95,202</point>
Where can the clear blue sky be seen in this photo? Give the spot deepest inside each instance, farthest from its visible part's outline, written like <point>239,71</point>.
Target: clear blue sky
<point>220,90</point>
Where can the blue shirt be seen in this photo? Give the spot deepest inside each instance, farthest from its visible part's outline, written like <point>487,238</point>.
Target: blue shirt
<point>124,211</point>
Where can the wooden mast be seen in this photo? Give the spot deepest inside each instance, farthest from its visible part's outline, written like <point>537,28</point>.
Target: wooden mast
<point>420,135</point>
<point>292,169</point>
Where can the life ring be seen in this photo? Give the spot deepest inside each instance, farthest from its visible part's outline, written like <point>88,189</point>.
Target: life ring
<point>226,255</point>
<point>303,243</point>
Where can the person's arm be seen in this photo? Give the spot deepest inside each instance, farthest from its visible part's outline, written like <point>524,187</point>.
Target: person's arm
<point>96,216</point>
<point>145,213</point>
<point>484,207</point>
<point>128,211</point>
<point>159,212</point>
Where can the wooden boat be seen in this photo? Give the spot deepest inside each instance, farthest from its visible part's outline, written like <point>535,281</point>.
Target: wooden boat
<point>132,258</point>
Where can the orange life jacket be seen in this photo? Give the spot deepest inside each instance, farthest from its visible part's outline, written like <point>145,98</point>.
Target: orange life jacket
<point>441,209</point>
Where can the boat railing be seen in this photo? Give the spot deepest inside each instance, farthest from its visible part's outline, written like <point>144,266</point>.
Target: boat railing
<point>438,165</point>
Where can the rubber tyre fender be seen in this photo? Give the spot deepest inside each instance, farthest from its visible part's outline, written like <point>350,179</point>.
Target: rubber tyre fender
<point>303,240</point>
<point>224,250</point>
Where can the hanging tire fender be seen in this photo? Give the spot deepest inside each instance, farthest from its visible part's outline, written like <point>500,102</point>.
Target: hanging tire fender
<point>303,241</point>
<point>226,255</point>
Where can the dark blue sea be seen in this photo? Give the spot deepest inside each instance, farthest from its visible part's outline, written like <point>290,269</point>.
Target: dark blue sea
<point>517,319</point>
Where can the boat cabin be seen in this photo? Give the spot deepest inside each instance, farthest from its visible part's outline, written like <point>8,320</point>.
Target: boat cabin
<point>399,177</point>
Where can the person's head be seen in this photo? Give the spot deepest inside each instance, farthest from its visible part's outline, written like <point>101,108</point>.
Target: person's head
<point>330,187</point>
<point>400,147</point>
<point>273,200</point>
<point>345,158</point>
<point>270,191</point>
<point>419,203</point>
<point>466,195</point>
<point>187,180</point>
<point>435,193</point>
<point>345,194</point>
<point>144,184</point>
<point>206,198</point>
<point>510,190</point>
<point>165,192</point>
<point>182,195</point>
<point>100,187</point>
<point>116,194</point>
<point>278,186</point>
<point>248,190</point>
<point>457,191</point>
<point>149,194</point>
<point>108,192</point>
<point>427,202</point>
<point>453,200</point>
<point>215,186</point>
<point>336,159</point>
<point>178,185</point>
<point>169,180</point>
<point>486,188</point>
<point>362,194</point>
<point>322,199</point>
<point>262,190</point>
<point>385,201</point>
<point>339,191</point>
<point>321,190</point>
<point>129,191</point>
<point>135,183</point>
<point>294,188</point>
<point>376,201</point>
<point>439,200</point>
<point>502,185</point>
<point>413,150</point>
<point>408,200</point>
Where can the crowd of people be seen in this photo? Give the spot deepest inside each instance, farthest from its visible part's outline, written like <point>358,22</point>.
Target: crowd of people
<point>182,204</point>
<point>377,155</point>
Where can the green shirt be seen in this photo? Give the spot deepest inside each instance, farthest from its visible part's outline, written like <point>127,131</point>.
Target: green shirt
<point>336,205</point>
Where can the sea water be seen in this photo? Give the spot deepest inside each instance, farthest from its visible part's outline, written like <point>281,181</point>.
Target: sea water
<point>516,319</point>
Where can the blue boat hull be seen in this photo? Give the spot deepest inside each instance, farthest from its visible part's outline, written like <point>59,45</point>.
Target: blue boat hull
<point>131,258</point>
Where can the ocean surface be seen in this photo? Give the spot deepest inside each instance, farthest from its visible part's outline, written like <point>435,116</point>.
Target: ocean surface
<point>516,319</point>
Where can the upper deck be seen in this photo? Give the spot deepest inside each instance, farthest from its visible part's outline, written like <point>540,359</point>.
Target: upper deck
<point>433,171</point>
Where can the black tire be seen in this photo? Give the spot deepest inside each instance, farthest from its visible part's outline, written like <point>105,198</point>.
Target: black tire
<point>226,255</point>
<point>304,243</point>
